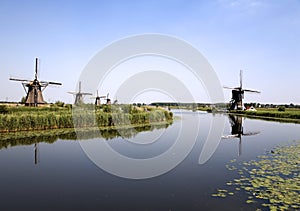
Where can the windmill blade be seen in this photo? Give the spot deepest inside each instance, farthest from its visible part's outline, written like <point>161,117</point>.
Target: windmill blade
<point>54,83</point>
<point>22,80</point>
<point>42,84</point>
<point>240,146</point>
<point>241,79</point>
<point>251,133</point>
<point>102,96</point>
<point>36,68</point>
<point>73,93</point>
<point>85,93</point>
<point>230,136</point>
<point>249,90</point>
<point>226,87</point>
<point>79,86</point>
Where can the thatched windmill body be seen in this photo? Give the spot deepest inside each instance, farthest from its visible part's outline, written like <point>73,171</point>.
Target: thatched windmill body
<point>236,102</point>
<point>34,88</point>
<point>79,95</point>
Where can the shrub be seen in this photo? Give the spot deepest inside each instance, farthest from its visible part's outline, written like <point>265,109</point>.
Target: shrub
<point>3,109</point>
<point>281,108</point>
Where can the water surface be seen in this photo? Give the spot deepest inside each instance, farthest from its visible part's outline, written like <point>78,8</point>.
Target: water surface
<point>60,176</point>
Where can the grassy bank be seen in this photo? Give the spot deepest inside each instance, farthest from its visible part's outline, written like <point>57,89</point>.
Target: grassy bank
<point>289,115</point>
<point>27,119</point>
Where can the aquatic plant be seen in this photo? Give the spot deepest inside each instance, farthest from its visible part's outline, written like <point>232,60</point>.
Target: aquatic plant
<point>273,180</point>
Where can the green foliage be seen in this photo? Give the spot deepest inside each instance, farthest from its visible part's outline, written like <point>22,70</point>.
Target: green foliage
<point>3,109</point>
<point>106,108</point>
<point>68,106</point>
<point>59,103</point>
<point>281,108</point>
<point>23,100</point>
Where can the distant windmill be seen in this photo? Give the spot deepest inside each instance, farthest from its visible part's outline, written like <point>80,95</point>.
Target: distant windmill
<point>98,99</point>
<point>237,131</point>
<point>236,102</point>
<point>79,95</point>
<point>35,88</point>
<point>108,101</point>
<point>115,101</point>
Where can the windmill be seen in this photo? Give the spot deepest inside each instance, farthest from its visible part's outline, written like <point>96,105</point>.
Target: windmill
<point>79,95</point>
<point>237,131</point>
<point>236,102</point>
<point>115,101</point>
<point>34,90</point>
<point>98,99</point>
<point>108,101</point>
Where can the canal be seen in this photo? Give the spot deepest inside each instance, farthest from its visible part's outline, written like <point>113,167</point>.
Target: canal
<point>66,174</point>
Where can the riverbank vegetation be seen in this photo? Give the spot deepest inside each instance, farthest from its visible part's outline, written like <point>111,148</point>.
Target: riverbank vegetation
<point>288,114</point>
<point>22,118</point>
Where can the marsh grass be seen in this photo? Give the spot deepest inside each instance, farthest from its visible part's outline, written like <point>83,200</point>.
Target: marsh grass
<point>29,118</point>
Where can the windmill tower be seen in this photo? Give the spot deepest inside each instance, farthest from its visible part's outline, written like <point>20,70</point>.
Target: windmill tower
<point>236,102</point>
<point>237,131</point>
<point>34,88</point>
<point>79,95</point>
<point>98,99</point>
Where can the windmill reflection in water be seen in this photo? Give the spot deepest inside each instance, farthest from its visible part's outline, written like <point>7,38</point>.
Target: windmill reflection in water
<point>237,130</point>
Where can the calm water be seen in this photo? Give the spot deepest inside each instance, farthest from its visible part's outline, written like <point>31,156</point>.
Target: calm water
<point>64,178</point>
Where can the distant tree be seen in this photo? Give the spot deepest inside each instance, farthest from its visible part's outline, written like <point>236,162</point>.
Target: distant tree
<point>68,106</point>
<point>107,108</point>
<point>3,109</point>
<point>59,103</point>
<point>281,108</point>
<point>23,100</point>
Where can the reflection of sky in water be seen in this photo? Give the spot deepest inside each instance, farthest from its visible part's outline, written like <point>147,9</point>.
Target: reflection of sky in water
<point>66,179</point>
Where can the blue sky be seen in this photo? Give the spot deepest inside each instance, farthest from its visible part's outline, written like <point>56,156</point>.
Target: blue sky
<point>260,37</point>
